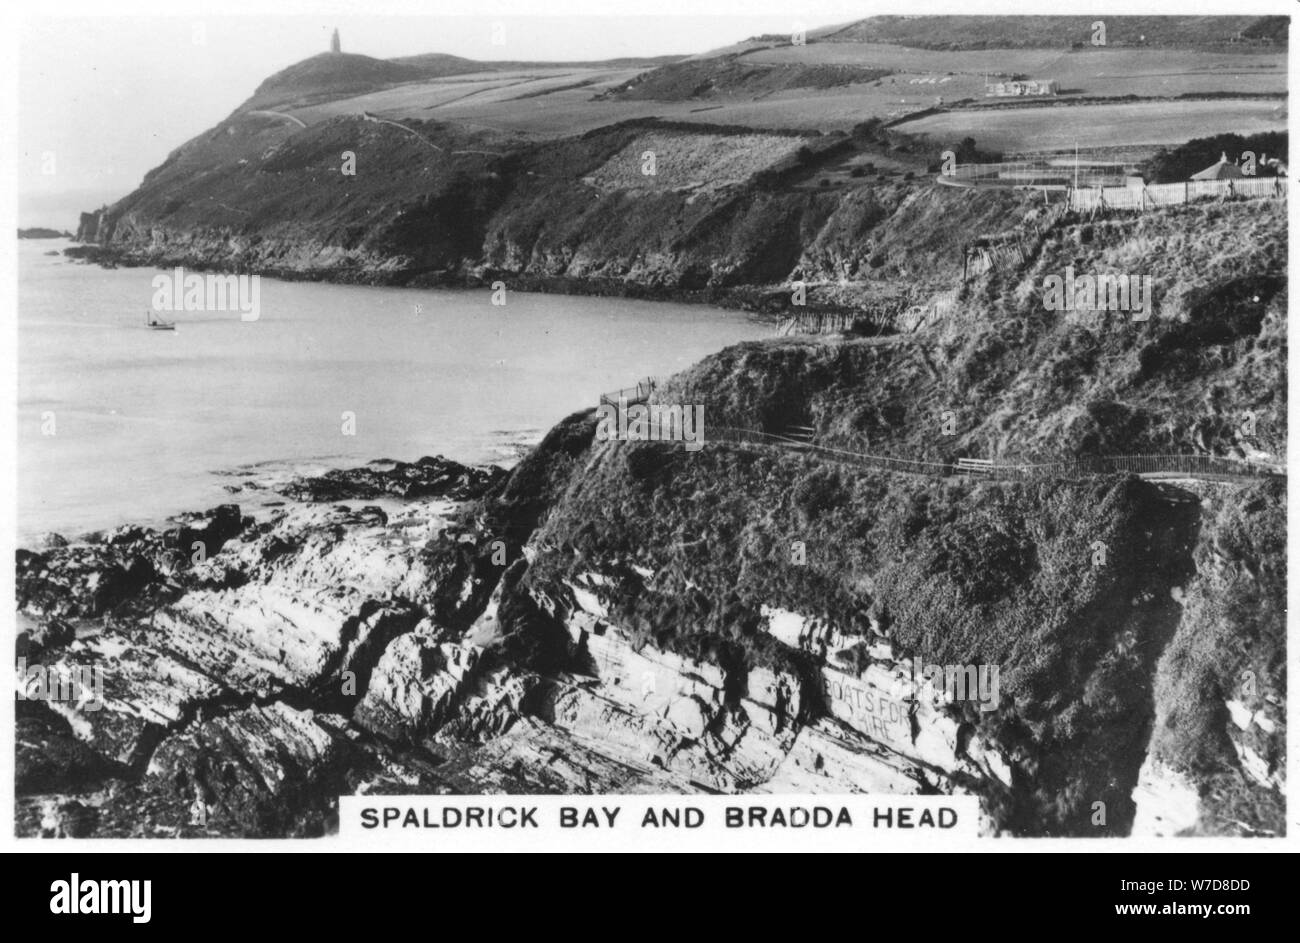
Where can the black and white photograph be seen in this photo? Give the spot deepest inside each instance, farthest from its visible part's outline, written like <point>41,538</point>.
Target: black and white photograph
<point>806,426</point>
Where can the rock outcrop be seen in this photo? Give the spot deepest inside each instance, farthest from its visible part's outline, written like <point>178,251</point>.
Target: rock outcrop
<point>217,669</point>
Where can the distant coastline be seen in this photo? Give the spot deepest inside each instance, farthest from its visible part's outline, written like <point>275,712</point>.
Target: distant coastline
<point>39,232</point>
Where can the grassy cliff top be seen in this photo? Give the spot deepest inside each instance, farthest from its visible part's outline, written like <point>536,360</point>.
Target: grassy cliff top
<point>994,32</point>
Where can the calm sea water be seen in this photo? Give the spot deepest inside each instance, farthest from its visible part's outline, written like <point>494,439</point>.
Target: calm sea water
<point>151,423</point>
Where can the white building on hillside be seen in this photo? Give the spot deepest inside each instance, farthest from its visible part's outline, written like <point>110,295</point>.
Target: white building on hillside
<point>1019,88</point>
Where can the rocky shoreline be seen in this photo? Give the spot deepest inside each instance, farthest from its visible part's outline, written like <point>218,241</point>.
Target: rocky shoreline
<point>231,647</point>
<point>764,302</point>
<point>370,636</point>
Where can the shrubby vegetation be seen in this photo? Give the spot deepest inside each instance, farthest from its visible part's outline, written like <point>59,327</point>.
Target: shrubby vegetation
<point>1179,163</point>
<point>1025,383</point>
<point>707,78</point>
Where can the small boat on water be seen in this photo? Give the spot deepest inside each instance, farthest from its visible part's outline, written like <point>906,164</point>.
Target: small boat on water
<point>155,324</point>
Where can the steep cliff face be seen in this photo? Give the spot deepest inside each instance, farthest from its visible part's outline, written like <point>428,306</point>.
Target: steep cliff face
<point>995,373</point>
<point>1221,682</point>
<point>369,200</point>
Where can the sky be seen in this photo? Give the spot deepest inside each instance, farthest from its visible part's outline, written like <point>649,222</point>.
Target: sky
<point>102,100</point>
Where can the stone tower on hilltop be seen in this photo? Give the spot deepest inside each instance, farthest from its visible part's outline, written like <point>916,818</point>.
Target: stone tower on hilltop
<point>334,41</point>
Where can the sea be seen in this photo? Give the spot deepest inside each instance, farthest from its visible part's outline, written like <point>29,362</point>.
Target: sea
<point>121,424</point>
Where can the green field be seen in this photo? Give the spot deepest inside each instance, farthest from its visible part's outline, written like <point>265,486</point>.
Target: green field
<point>700,162</point>
<point>1088,72</point>
<point>516,90</point>
<point>835,84</point>
<point>1059,127</point>
<point>1056,32</point>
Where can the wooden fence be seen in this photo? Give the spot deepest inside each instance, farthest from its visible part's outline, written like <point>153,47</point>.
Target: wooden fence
<point>632,395</point>
<point>1173,194</point>
<point>977,260</point>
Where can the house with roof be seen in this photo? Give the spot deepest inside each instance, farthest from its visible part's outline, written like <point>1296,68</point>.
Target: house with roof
<point>1018,88</point>
<point>1223,170</point>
